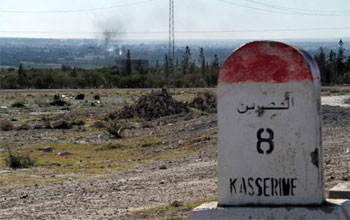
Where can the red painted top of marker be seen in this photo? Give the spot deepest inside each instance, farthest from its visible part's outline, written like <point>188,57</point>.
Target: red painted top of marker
<point>267,61</point>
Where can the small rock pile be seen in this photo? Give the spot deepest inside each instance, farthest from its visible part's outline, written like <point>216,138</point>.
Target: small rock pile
<point>152,106</point>
<point>347,101</point>
<point>204,101</point>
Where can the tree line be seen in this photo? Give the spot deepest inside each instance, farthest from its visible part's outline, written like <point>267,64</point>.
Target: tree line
<point>334,66</point>
<point>190,72</point>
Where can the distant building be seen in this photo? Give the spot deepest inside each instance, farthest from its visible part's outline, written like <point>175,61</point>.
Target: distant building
<point>139,64</point>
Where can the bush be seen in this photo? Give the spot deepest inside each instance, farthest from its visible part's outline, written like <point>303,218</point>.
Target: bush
<point>18,104</point>
<point>6,125</point>
<point>80,97</point>
<point>114,128</point>
<point>61,124</point>
<point>47,125</point>
<point>18,161</point>
<point>204,101</point>
<point>110,146</point>
<point>23,127</point>
<point>78,122</point>
<point>347,101</point>
<point>58,101</point>
<point>98,124</point>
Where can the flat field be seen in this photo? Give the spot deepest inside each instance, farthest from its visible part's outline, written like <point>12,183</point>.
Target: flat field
<point>159,169</point>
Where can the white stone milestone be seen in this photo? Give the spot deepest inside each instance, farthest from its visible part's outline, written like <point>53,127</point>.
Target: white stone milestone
<point>269,127</point>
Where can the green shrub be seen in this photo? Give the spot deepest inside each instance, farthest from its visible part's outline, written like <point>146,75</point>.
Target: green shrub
<point>18,161</point>
<point>18,104</point>
<point>58,101</point>
<point>114,128</point>
<point>110,146</point>
<point>78,122</point>
<point>80,97</point>
<point>347,101</point>
<point>6,125</point>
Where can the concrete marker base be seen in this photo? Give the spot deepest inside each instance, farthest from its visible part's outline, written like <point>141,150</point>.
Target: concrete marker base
<point>332,209</point>
<point>340,191</point>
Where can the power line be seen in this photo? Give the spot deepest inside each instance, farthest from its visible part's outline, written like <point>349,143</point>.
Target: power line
<point>250,7</point>
<point>77,10</point>
<point>279,11</point>
<point>268,30</point>
<point>270,8</point>
<point>178,32</point>
<point>83,32</point>
<point>296,9</point>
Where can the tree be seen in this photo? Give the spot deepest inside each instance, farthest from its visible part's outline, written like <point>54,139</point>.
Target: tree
<point>74,73</point>
<point>186,61</point>
<point>202,61</point>
<point>166,70</point>
<point>215,64</point>
<point>65,68</point>
<point>22,77</point>
<point>340,66</point>
<point>331,67</point>
<point>212,76</point>
<point>347,65</point>
<point>93,79</point>
<point>322,64</point>
<point>128,63</point>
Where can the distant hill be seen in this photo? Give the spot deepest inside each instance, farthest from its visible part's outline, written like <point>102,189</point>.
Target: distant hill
<point>92,53</point>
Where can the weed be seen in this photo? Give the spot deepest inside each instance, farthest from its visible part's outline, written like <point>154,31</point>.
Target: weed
<point>347,101</point>
<point>58,101</point>
<point>78,122</point>
<point>61,124</point>
<point>6,125</point>
<point>98,124</point>
<point>42,103</point>
<point>110,146</point>
<point>149,141</point>
<point>80,97</point>
<point>23,127</point>
<point>197,111</point>
<point>115,128</point>
<point>18,104</point>
<point>334,91</point>
<point>167,212</point>
<point>18,161</point>
<point>80,129</point>
<point>344,92</point>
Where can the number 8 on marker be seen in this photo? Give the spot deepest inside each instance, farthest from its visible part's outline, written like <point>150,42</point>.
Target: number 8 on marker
<point>268,140</point>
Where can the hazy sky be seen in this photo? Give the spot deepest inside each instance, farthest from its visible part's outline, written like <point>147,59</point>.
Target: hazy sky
<point>267,19</point>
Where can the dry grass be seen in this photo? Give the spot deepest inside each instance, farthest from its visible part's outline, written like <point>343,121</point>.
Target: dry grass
<point>335,91</point>
<point>89,158</point>
<point>168,212</point>
<point>85,160</point>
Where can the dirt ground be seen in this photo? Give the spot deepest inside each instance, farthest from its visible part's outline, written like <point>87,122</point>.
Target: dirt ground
<point>179,172</point>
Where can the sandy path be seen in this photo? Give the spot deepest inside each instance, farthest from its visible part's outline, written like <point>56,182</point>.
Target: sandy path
<point>335,100</point>
<point>111,196</point>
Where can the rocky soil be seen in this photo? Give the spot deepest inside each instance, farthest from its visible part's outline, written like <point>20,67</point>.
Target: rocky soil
<point>152,106</point>
<point>188,178</point>
<point>117,195</point>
